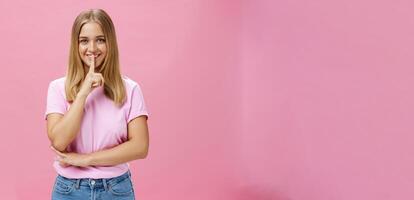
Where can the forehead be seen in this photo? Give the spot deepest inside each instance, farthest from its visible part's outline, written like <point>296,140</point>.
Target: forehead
<point>91,29</point>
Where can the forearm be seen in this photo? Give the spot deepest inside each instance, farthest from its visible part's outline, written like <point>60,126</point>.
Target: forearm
<point>125,152</point>
<point>65,131</point>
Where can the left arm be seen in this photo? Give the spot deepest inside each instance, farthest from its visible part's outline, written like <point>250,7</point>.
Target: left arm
<point>135,148</point>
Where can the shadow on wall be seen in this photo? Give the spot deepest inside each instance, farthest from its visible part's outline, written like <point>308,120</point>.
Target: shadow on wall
<point>259,193</point>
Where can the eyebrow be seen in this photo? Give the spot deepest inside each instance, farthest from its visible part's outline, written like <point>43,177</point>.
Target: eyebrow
<point>99,36</point>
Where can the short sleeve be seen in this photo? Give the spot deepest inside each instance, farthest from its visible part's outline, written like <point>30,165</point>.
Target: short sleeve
<point>138,107</point>
<point>55,100</point>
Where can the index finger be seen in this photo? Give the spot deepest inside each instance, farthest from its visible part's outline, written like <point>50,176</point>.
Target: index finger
<point>92,65</point>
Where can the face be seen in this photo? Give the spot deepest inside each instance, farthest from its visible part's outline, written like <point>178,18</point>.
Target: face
<point>92,42</point>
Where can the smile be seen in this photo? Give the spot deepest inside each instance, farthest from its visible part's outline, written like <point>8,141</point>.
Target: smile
<point>93,55</point>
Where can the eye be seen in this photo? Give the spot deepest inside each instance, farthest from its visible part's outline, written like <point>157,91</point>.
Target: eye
<point>83,41</point>
<point>101,40</point>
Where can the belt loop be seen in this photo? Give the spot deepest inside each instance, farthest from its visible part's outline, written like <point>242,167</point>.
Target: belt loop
<point>77,183</point>
<point>104,183</point>
<point>129,174</point>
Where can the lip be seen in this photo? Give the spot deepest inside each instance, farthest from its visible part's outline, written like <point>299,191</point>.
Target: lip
<point>94,55</point>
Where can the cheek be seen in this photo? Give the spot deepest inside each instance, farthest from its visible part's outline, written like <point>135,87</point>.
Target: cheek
<point>102,48</point>
<point>81,50</point>
<point>104,52</point>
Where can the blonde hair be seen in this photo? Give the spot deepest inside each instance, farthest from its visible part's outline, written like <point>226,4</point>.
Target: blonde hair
<point>114,87</point>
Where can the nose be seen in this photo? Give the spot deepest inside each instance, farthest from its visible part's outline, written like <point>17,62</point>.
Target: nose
<point>92,47</point>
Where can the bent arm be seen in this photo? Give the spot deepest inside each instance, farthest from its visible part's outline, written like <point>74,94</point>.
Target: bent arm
<point>62,129</point>
<point>135,148</point>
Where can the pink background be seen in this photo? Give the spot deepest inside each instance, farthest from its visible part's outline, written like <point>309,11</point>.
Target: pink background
<point>270,100</point>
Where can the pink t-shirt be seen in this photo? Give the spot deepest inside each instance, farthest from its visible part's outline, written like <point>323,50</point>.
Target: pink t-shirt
<point>104,125</point>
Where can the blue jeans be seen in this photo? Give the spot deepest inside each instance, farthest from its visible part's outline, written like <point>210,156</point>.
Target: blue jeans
<point>119,187</point>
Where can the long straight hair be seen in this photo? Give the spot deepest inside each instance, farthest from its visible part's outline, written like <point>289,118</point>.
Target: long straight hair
<point>114,87</point>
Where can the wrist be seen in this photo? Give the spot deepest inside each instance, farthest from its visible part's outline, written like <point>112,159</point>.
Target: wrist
<point>90,159</point>
<point>81,95</point>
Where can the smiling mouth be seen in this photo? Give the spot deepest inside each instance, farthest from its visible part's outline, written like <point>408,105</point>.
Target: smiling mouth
<point>93,55</point>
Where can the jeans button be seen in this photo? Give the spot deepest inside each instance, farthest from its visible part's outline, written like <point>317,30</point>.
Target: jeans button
<point>93,182</point>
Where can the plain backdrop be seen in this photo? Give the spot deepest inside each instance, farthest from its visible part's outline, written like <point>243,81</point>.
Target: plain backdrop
<point>249,99</point>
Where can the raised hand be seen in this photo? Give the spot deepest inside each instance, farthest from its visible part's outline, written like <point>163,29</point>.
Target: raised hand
<point>92,79</point>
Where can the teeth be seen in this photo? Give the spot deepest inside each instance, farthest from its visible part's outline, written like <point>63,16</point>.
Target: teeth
<point>92,55</point>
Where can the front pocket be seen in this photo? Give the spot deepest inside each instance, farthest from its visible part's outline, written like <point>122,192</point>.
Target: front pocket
<point>63,187</point>
<point>121,188</point>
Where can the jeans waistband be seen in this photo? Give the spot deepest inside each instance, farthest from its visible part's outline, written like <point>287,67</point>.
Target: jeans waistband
<point>100,182</point>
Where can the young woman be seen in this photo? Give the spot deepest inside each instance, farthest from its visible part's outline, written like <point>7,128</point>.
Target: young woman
<point>96,118</point>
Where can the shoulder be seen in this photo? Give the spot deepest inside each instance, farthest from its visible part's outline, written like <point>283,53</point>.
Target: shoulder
<point>130,84</point>
<point>58,83</point>
<point>57,88</point>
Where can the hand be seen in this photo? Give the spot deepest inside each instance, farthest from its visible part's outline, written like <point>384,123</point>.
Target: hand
<point>92,79</point>
<point>75,159</point>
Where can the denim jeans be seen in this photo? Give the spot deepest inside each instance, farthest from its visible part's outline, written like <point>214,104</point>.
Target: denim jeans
<point>119,187</point>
